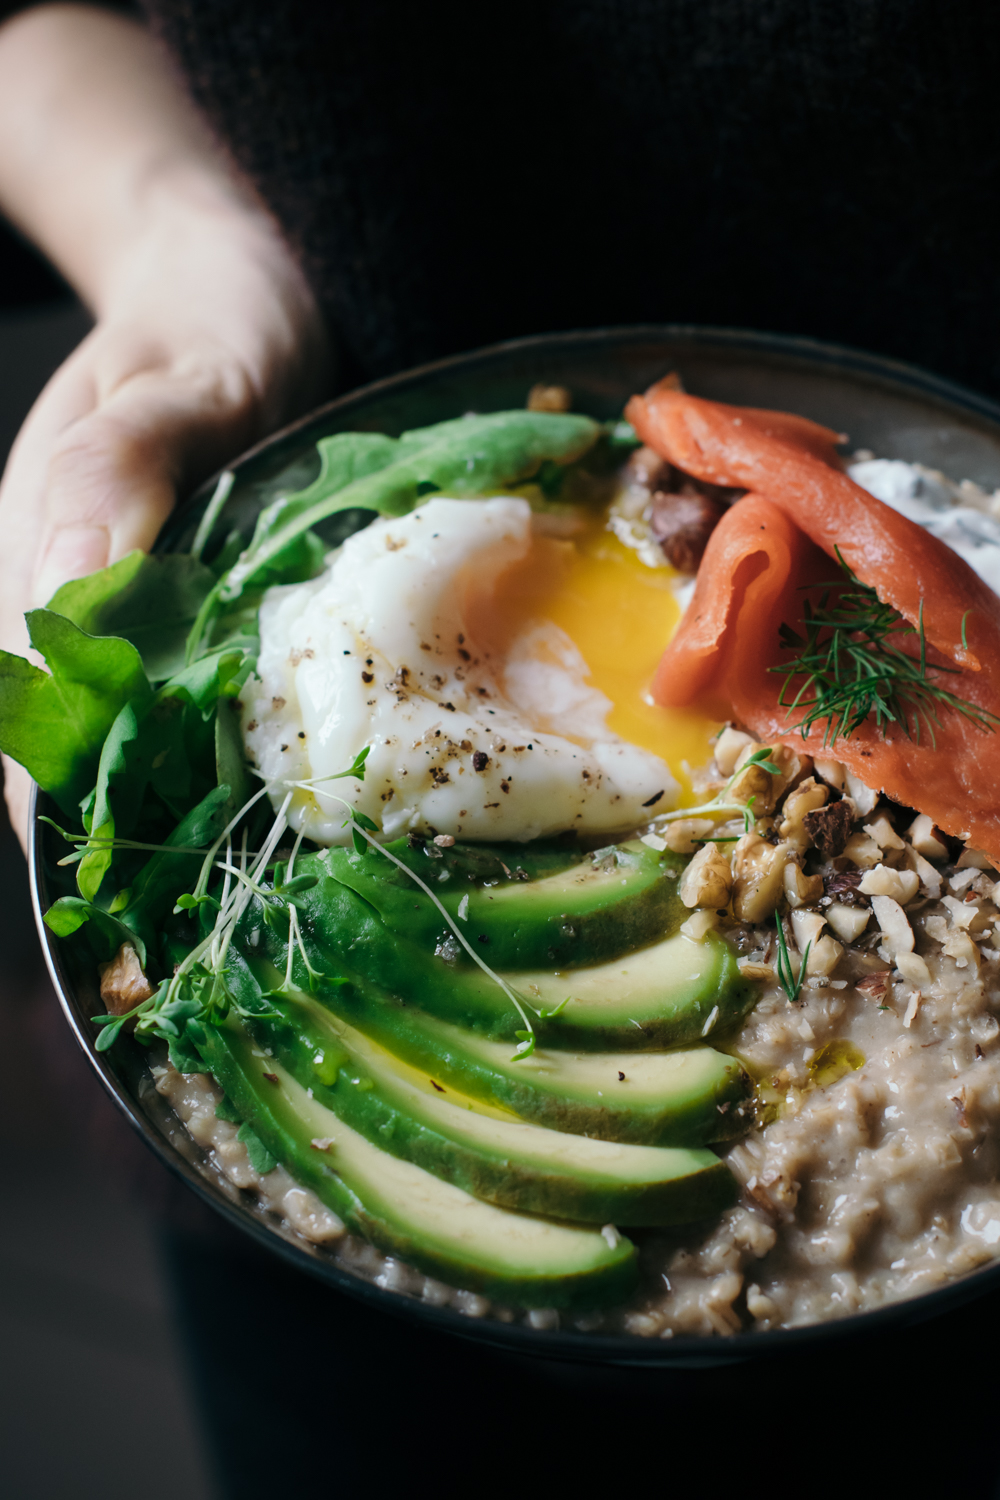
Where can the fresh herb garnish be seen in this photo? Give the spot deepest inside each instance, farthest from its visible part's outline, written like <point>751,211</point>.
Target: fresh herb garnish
<point>721,807</point>
<point>850,666</point>
<point>790,982</point>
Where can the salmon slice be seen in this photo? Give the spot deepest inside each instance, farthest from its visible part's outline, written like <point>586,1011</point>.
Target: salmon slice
<point>774,545</point>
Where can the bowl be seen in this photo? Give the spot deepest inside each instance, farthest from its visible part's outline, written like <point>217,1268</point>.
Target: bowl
<point>894,409</point>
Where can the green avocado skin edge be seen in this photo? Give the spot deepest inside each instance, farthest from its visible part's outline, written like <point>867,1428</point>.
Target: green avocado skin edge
<point>594,908</point>
<point>346,935</point>
<point>681,1185</point>
<point>702,1098</point>
<point>592,1274</point>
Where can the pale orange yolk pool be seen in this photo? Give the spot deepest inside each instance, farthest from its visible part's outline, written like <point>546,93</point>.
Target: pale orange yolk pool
<point>619,614</point>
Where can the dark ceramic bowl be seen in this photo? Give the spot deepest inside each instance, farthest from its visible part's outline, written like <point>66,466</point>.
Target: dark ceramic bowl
<point>893,409</point>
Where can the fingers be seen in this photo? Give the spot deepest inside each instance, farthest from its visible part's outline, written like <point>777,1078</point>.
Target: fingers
<point>68,397</point>
<point>113,475</point>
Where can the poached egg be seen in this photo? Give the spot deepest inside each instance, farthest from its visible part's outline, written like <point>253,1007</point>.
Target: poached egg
<point>449,642</point>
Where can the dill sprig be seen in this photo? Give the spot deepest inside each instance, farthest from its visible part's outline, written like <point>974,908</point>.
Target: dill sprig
<point>850,666</point>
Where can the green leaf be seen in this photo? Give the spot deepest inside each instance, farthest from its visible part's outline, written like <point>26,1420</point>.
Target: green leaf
<point>108,1035</point>
<point>166,874</point>
<point>226,1110</point>
<point>129,777</point>
<point>218,674</point>
<point>525,1045</point>
<point>96,862</point>
<point>107,932</point>
<point>151,601</point>
<point>230,758</point>
<point>260,1157</point>
<point>468,456</point>
<point>184,1055</point>
<point>55,723</point>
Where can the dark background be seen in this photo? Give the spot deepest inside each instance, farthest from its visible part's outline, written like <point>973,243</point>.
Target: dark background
<point>146,1351</point>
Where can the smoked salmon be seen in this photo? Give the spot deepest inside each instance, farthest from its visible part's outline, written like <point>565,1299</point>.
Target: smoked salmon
<point>774,546</point>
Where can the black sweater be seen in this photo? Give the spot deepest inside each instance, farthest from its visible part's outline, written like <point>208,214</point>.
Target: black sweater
<point>454,174</point>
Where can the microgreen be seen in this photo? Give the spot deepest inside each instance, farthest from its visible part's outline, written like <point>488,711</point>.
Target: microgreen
<point>553,1011</point>
<point>362,834</point>
<point>722,807</point>
<point>850,666</point>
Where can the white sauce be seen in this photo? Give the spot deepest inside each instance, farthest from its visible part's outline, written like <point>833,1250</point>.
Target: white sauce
<point>962,515</point>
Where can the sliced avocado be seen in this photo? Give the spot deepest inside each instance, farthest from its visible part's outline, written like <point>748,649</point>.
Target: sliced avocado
<point>409,1212</point>
<point>488,1152</point>
<point>603,905</point>
<point>688,1097</point>
<point>663,995</point>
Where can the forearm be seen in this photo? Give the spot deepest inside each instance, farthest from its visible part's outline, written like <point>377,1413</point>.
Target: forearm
<point>96,140</point>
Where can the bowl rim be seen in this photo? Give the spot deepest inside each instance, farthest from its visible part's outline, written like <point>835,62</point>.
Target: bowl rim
<point>567,1345</point>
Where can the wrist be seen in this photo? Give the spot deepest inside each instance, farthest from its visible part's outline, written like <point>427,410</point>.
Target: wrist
<point>205,264</point>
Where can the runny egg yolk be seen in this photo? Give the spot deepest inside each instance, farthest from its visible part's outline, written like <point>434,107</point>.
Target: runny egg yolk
<point>620,614</point>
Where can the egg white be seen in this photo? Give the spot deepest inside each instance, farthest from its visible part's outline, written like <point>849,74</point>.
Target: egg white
<point>379,651</point>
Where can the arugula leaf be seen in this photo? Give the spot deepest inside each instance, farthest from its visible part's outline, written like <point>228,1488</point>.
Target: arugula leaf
<point>114,766</point>
<point>155,889</point>
<point>151,601</point>
<point>226,1110</point>
<point>260,1157</point>
<point>55,723</point>
<point>69,913</point>
<point>230,759</point>
<point>184,1054</point>
<point>467,456</point>
<point>218,674</point>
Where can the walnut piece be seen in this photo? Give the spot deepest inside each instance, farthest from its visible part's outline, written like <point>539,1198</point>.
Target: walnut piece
<point>544,397</point>
<point>123,984</point>
<point>707,880</point>
<point>830,828</point>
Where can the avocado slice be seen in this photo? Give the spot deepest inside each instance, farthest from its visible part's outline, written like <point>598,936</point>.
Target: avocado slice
<point>691,1096</point>
<point>663,995</point>
<point>407,1211</point>
<point>599,907</point>
<point>488,1152</point>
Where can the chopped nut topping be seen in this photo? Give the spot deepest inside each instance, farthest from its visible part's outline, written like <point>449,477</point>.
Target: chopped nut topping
<point>123,984</point>
<point>830,827</point>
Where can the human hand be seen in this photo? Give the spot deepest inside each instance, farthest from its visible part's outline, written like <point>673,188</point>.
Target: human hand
<point>210,338</point>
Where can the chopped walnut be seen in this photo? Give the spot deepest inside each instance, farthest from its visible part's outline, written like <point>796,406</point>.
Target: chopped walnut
<point>901,885</point>
<point>842,885</point>
<point>862,850</point>
<point>707,880</point>
<point>808,799</point>
<point>544,397</point>
<point>758,868</point>
<point>848,922</point>
<point>729,746</point>
<point>897,933</point>
<point>681,835</point>
<point>123,984</point>
<point>801,889</point>
<point>830,828</point>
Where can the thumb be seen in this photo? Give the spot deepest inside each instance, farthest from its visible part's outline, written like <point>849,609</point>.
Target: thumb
<point>113,475</point>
